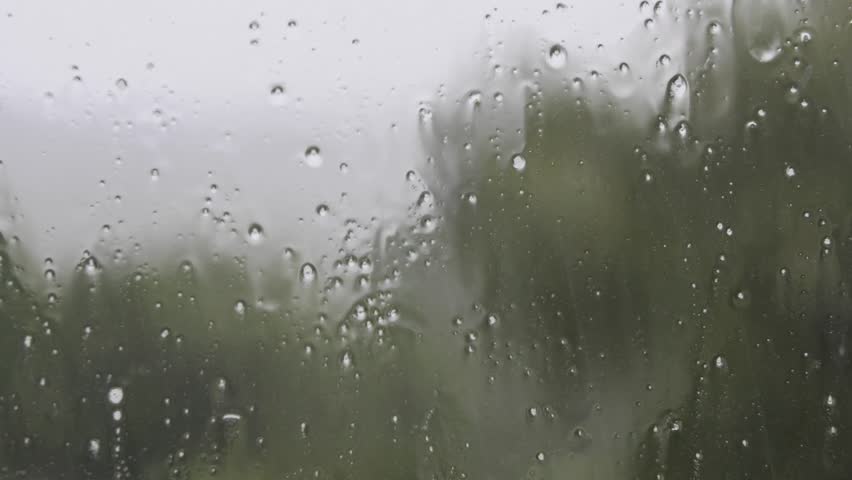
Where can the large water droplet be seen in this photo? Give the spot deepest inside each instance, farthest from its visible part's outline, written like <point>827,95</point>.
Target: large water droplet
<point>762,23</point>
<point>519,163</point>
<point>677,87</point>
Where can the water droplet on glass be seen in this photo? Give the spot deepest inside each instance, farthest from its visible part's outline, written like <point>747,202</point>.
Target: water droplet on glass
<point>255,233</point>
<point>322,210</point>
<point>761,22</point>
<point>115,395</point>
<point>790,172</point>
<point>240,307</point>
<point>277,95</point>
<point>312,157</point>
<point>556,56</point>
<point>121,84</point>
<point>714,28</point>
<point>741,299</point>
<point>307,273</point>
<point>155,174</point>
<point>346,359</point>
<point>94,447</point>
<point>677,86</point>
<point>519,163</point>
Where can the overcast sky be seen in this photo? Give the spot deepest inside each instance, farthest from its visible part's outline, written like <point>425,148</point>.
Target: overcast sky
<point>95,96</point>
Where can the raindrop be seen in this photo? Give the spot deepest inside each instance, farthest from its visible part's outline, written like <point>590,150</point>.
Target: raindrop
<point>556,56</point>
<point>322,210</point>
<point>790,172</point>
<point>741,299</point>
<point>94,447</point>
<point>346,359</point>
<point>312,157</point>
<point>307,273</point>
<point>255,233</point>
<point>277,94</point>
<point>115,395</point>
<point>121,83</point>
<point>240,307</point>
<point>519,163</point>
<point>677,86</point>
<point>761,22</point>
<point>714,28</point>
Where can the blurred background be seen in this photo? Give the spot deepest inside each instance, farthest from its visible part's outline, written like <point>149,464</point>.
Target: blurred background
<point>437,241</point>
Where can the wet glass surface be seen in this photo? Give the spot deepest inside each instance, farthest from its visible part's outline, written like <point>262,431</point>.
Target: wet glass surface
<point>436,241</point>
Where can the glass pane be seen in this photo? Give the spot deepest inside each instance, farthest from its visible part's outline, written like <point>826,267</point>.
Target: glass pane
<point>442,240</point>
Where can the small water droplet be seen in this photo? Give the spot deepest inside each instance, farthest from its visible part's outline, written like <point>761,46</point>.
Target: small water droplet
<point>714,28</point>
<point>155,174</point>
<point>121,84</point>
<point>741,299</point>
<point>240,307</point>
<point>255,233</point>
<point>254,25</point>
<point>115,395</point>
<point>519,163</point>
<point>322,210</point>
<point>790,172</point>
<point>312,157</point>
<point>556,56</point>
<point>307,273</point>
<point>94,447</point>
<point>346,359</point>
